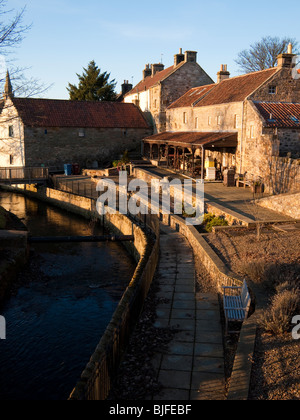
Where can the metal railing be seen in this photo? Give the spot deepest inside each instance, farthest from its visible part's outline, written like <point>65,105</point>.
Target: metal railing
<point>23,174</point>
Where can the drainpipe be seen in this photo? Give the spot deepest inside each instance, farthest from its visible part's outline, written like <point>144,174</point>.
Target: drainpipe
<point>242,138</point>
<point>202,163</point>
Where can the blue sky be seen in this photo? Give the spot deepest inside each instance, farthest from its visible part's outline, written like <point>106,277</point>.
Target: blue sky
<point>122,36</point>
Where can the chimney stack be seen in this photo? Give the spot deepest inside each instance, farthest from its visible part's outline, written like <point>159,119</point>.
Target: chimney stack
<point>147,72</point>
<point>155,68</point>
<point>286,59</point>
<point>223,74</point>
<point>178,58</point>
<point>126,87</point>
<point>190,57</point>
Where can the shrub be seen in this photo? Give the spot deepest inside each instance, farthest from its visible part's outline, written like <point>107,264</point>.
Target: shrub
<point>210,220</point>
<point>254,270</point>
<point>284,306</point>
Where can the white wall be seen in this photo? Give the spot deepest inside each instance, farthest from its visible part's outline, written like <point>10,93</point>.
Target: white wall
<point>11,147</point>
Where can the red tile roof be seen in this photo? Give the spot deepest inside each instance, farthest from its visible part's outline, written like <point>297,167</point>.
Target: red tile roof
<point>279,114</point>
<point>195,138</point>
<point>192,96</point>
<point>64,113</point>
<point>235,89</point>
<point>150,81</point>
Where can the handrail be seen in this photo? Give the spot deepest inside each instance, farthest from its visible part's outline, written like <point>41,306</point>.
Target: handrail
<point>23,173</point>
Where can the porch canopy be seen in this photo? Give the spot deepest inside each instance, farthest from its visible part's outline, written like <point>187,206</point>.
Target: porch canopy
<point>185,151</point>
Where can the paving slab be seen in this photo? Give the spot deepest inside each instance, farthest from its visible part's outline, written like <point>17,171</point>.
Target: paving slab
<point>192,366</point>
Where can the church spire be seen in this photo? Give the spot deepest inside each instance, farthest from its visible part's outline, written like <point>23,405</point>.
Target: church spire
<point>8,90</point>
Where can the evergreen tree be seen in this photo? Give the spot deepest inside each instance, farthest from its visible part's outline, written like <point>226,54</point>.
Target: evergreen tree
<point>93,86</point>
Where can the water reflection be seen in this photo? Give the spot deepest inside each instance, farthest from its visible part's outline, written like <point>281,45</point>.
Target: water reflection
<point>61,305</point>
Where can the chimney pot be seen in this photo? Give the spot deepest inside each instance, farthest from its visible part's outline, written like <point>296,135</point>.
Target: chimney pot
<point>178,58</point>
<point>286,59</point>
<point>223,74</point>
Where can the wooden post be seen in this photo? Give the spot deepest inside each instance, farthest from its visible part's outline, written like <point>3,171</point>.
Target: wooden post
<point>167,155</point>
<point>193,162</point>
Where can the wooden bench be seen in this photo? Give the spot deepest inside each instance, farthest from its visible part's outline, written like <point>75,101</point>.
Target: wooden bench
<point>236,302</point>
<point>243,183</point>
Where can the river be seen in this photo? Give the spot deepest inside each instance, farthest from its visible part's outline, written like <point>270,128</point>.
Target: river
<point>60,305</point>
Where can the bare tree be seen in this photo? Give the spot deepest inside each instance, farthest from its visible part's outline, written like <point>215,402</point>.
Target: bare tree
<point>12,32</point>
<point>263,54</point>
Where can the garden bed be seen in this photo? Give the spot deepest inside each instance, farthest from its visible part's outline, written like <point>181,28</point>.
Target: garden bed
<point>275,255</point>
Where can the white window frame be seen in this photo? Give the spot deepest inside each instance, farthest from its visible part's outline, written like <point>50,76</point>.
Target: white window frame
<point>236,121</point>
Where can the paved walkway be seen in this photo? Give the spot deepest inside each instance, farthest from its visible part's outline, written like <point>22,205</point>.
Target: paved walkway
<point>193,366</point>
<point>237,199</point>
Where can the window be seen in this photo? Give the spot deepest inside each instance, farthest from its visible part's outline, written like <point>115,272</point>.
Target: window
<point>11,159</point>
<point>196,122</point>
<point>272,90</point>
<point>219,120</point>
<point>184,118</point>
<point>81,132</point>
<point>11,131</point>
<point>209,121</point>
<point>236,121</point>
<point>252,132</point>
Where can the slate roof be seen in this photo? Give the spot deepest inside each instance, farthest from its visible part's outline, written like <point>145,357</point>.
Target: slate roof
<point>65,113</point>
<point>235,89</point>
<point>279,114</point>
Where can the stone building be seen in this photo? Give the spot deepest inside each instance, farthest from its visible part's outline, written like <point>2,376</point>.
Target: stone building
<point>35,132</point>
<point>241,122</point>
<point>160,87</point>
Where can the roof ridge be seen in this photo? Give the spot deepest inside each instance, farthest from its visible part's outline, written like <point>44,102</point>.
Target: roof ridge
<point>249,74</point>
<point>167,73</point>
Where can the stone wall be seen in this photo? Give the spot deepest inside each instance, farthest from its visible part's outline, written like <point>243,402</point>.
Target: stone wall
<point>288,204</point>
<point>57,146</point>
<point>282,175</point>
<point>289,142</point>
<point>288,88</point>
<point>156,99</point>
<point>36,146</point>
